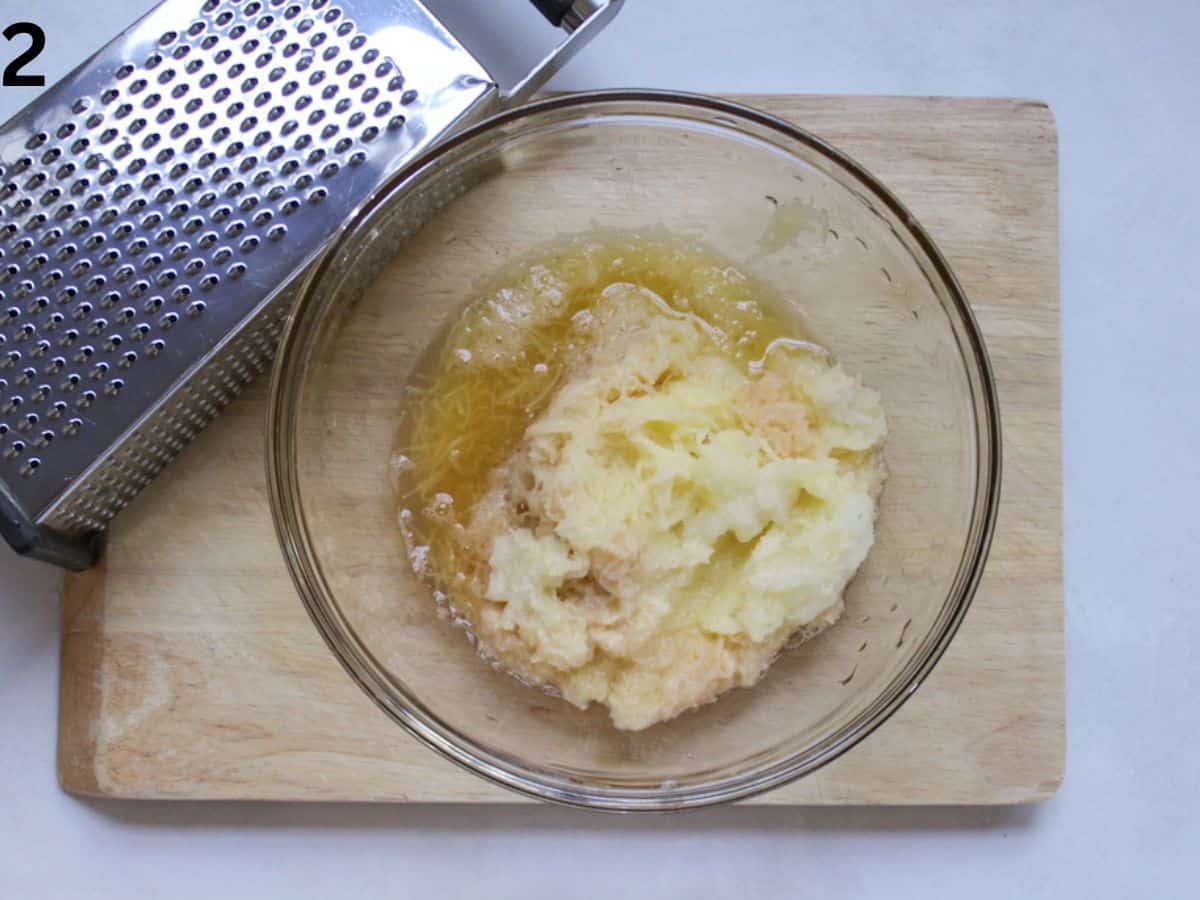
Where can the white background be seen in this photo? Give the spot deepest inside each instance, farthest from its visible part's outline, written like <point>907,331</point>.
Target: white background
<point>1123,78</point>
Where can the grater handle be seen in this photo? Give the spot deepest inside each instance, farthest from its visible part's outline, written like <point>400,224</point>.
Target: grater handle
<point>582,20</point>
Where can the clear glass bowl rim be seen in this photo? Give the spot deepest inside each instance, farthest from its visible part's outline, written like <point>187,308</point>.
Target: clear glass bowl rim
<point>303,328</point>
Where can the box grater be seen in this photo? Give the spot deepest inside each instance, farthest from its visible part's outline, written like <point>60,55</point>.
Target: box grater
<point>159,205</point>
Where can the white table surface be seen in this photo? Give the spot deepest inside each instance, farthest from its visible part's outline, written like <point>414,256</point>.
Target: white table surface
<point>1124,81</point>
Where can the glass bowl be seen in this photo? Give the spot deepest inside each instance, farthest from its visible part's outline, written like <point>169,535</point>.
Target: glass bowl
<point>785,207</point>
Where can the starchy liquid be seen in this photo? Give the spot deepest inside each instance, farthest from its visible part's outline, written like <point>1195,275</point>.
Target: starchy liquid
<point>630,475</point>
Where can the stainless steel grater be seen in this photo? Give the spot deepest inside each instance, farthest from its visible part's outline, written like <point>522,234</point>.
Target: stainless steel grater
<point>159,204</point>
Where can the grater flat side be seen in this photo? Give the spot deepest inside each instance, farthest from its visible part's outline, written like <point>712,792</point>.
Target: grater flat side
<point>157,209</point>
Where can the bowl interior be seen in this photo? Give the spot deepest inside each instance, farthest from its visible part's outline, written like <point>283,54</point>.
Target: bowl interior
<point>784,208</point>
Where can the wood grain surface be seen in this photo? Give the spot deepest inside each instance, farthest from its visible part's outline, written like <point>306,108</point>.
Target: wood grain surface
<point>190,669</point>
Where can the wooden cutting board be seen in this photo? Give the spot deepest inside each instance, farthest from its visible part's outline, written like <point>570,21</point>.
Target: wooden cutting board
<point>190,669</point>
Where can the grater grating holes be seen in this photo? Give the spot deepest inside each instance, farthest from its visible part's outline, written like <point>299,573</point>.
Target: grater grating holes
<point>274,41</point>
<point>155,444</point>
